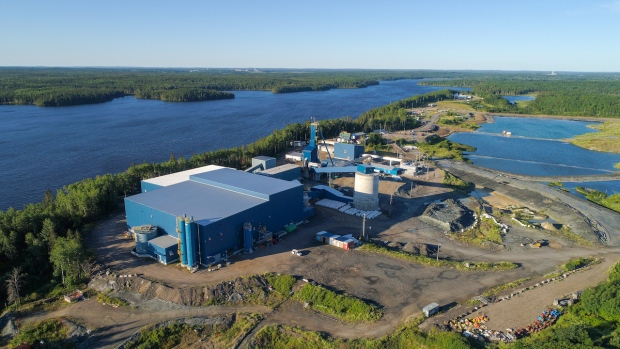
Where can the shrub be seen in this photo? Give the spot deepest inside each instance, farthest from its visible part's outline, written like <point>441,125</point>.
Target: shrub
<point>342,306</point>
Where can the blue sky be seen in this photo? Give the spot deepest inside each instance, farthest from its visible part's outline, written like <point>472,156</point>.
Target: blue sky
<point>561,35</point>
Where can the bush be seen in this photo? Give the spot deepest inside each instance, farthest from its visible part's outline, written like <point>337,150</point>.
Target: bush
<point>342,306</point>
<point>105,299</point>
<point>51,331</point>
<point>281,283</point>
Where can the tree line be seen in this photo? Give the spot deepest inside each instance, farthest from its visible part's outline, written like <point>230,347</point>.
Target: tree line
<point>71,86</point>
<point>567,94</point>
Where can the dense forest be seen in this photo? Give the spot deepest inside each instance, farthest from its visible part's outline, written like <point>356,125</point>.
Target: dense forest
<point>43,243</point>
<point>71,86</point>
<point>564,94</point>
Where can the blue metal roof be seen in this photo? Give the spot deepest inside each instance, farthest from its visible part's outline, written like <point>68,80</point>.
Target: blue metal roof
<point>244,183</point>
<point>206,203</point>
<point>344,169</point>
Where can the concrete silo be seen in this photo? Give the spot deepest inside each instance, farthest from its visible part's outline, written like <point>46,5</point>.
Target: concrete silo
<point>366,195</point>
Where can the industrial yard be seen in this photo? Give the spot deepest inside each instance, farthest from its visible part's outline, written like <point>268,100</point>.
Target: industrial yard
<point>215,242</point>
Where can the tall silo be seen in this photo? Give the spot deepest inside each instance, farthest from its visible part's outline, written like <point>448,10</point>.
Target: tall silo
<point>366,195</point>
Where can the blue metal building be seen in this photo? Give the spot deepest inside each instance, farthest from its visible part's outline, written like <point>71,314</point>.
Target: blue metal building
<point>210,208</point>
<point>348,151</point>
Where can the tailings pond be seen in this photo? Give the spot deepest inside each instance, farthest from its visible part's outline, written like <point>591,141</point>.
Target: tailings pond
<point>537,147</point>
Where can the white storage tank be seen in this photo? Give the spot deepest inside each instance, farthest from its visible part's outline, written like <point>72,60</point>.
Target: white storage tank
<point>366,195</point>
<point>143,234</point>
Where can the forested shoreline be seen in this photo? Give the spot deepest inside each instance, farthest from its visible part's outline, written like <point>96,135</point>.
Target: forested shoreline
<point>596,95</point>
<point>48,87</point>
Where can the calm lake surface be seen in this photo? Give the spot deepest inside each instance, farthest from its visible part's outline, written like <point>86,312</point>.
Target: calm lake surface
<point>47,148</point>
<point>535,148</point>
<point>515,99</point>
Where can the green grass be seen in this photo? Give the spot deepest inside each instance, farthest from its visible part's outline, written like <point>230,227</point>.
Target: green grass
<point>555,184</point>
<point>181,335</point>
<point>442,148</point>
<point>281,283</point>
<point>342,306</point>
<point>104,298</point>
<point>612,202</point>
<point>432,262</point>
<point>453,181</point>
<point>494,291</point>
<point>486,231</point>
<point>51,331</point>
<point>577,263</point>
<point>607,139</point>
<point>405,337</point>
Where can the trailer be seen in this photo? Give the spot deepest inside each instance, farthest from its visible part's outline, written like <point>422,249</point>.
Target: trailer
<point>431,309</point>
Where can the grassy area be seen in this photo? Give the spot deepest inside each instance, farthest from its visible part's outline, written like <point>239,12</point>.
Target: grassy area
<point>342,306</point>
<point>494,291</point>
<point>486,231</point>
<point>407,336</point>
<point>555,184</point>
<point>456,105</point>
<point>612,202</point>
<point>442,148</point>
<point>568,234</point>
<point>281,283</point>
<point>453,181</point>
<point>432,262</point>
<point>607,139</point>
<point>181,335</point>
<point>104,298</point>
<point>52,332</point>
<point>577,263</point>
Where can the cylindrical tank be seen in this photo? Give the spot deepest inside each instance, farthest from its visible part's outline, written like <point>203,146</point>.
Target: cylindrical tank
<point>143,234</point>
<point>366,195</point>
<point>190,242</point>
<point>247,237</point>
<point>182,245</point>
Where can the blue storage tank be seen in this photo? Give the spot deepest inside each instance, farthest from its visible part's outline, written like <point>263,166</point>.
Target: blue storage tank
<point>182,245</point>
<point>190,241</point>
<point>247,237</point>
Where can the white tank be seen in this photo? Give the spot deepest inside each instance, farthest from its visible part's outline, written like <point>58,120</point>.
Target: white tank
<point>366,196</point>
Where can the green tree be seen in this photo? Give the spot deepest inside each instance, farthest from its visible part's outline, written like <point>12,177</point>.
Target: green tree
<point>67,255</point>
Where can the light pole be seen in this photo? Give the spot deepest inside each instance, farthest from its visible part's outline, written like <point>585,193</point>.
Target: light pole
<point>438,247</point>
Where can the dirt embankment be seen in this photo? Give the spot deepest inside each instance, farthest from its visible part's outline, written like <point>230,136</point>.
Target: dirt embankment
<point>236,291</point>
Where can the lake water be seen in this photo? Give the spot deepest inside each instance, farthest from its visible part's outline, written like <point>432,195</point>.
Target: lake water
<point>608,187</point>
<point>47,148</point>
<point>535,148</point>
<point>515,99</point>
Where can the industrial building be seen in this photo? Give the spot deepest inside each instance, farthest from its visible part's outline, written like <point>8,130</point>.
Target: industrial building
<point>199,215</point>
<point>348,151</point>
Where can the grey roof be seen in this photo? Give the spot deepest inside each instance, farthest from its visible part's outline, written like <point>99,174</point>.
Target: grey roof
<point>280,169</point>
<point>263,157</point>
<point>164,241</point>
<point>205,203</point>
<point>244,182</point>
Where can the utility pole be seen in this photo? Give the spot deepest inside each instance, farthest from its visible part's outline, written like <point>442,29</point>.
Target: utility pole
<point>364,228</point>
<point>438,246</point>
<point>410,190</point>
